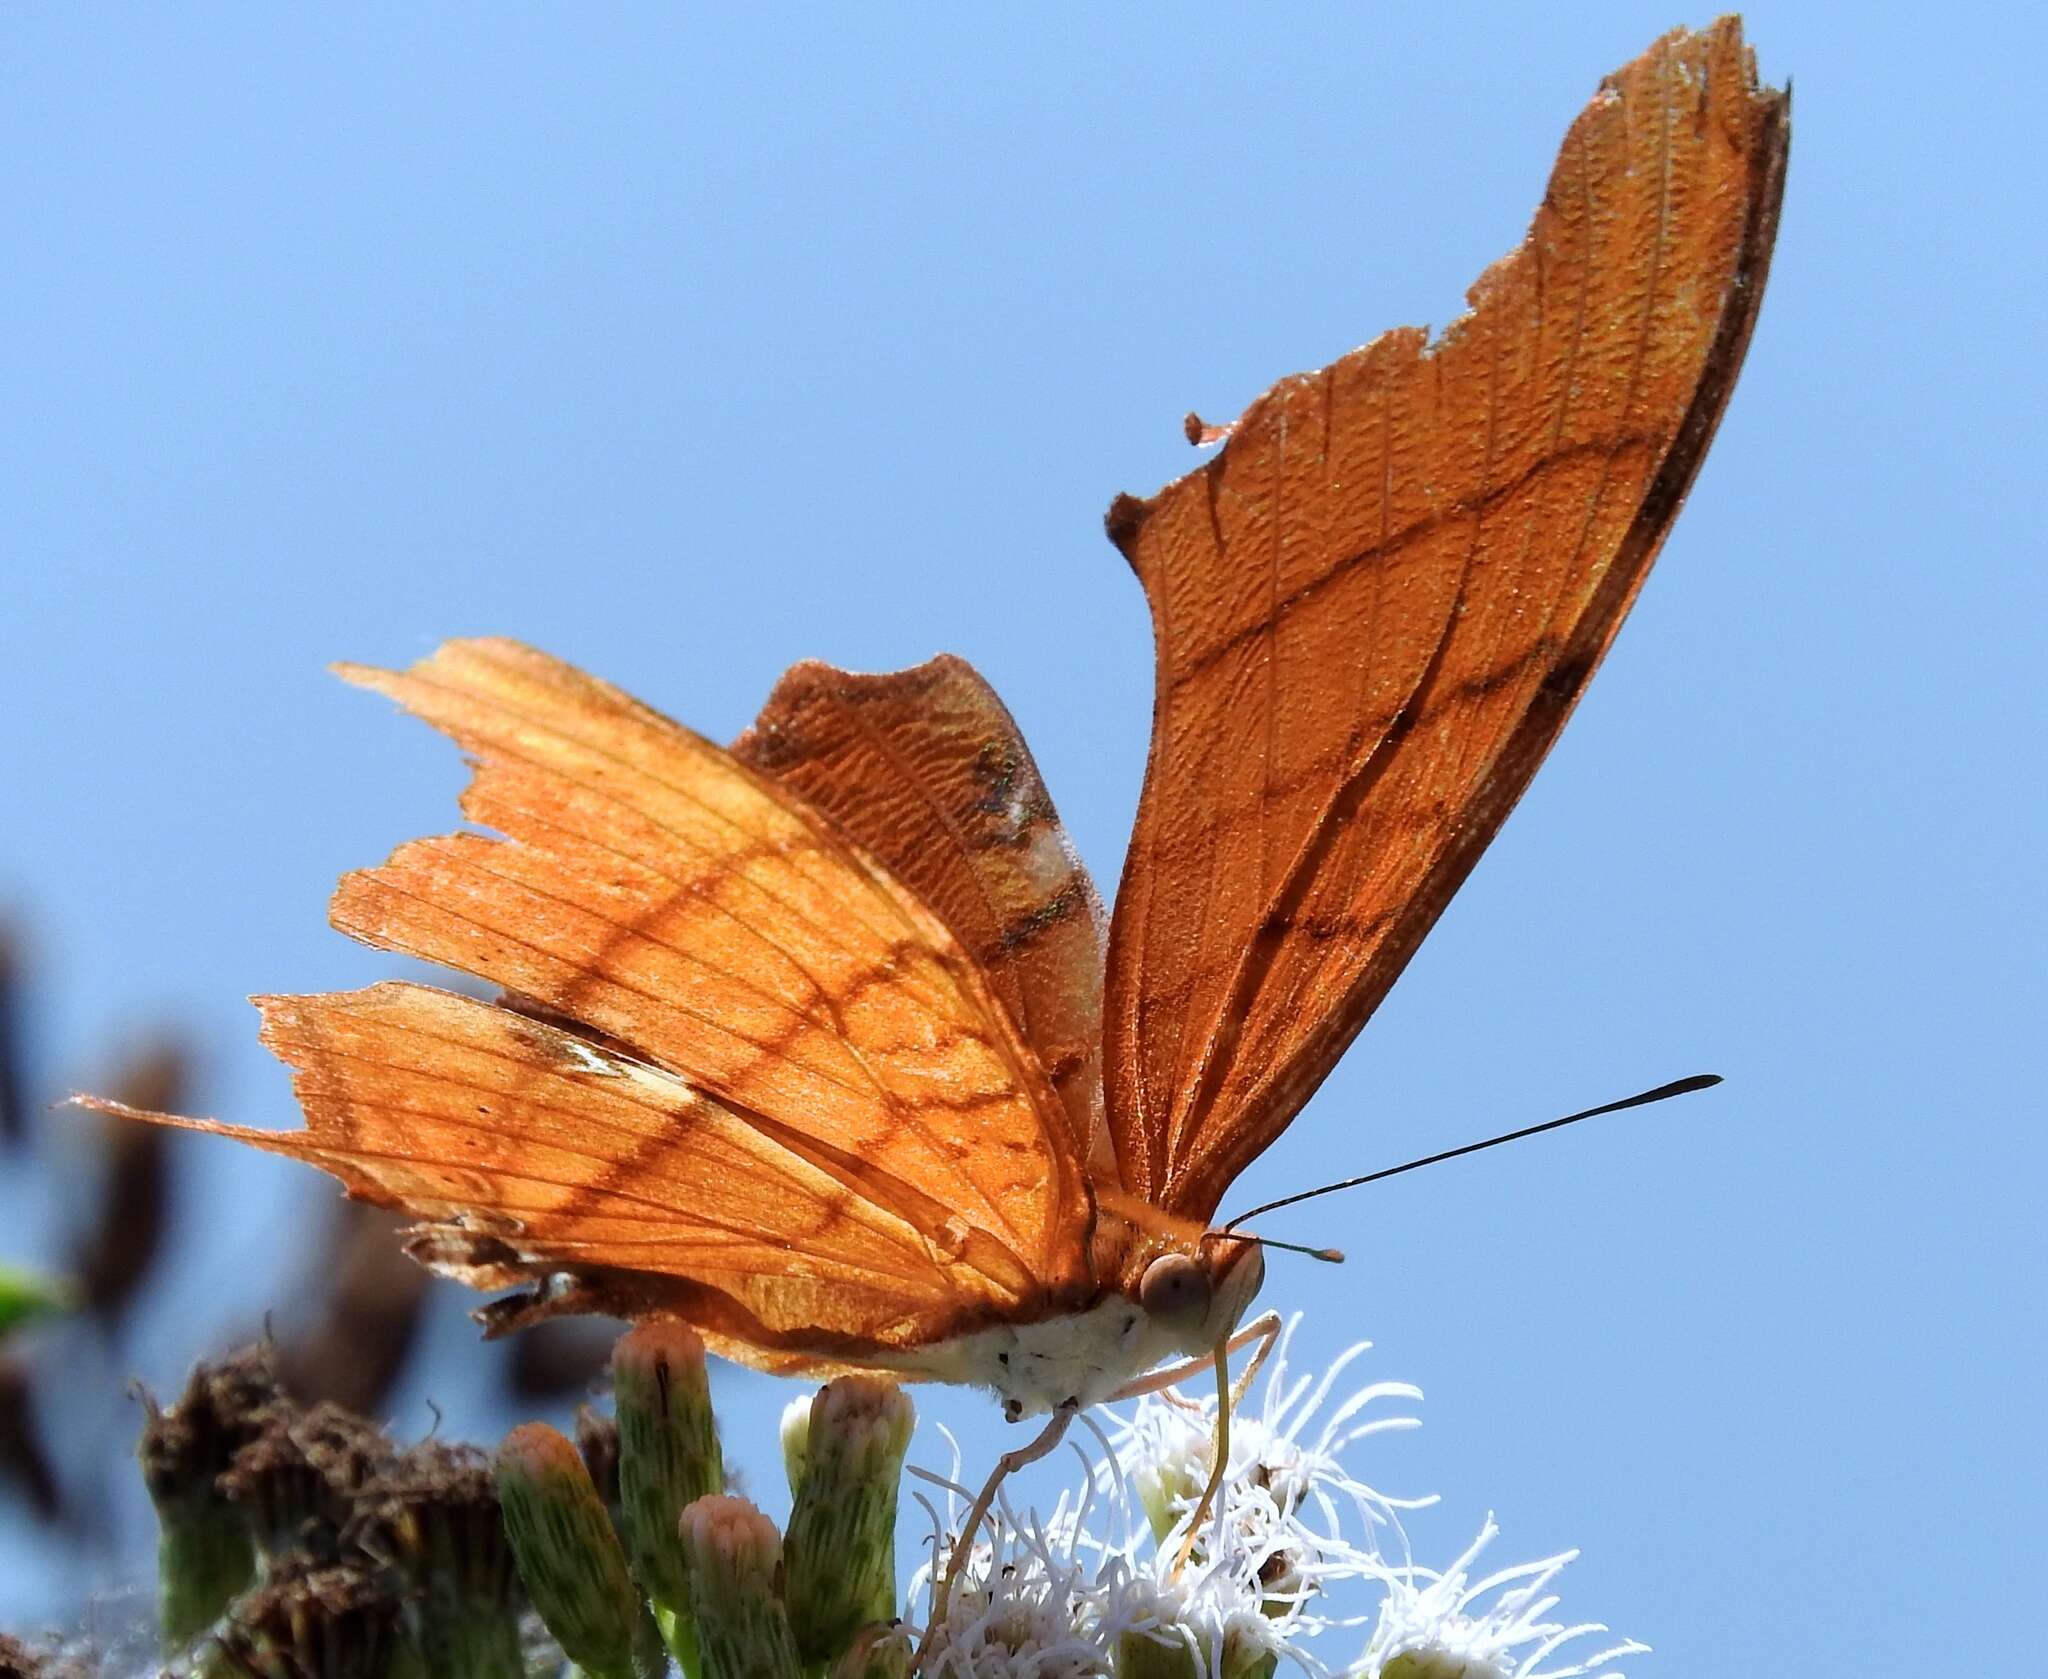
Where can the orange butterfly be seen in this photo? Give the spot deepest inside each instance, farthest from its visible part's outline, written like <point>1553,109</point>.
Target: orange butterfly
<point>824,1043</point>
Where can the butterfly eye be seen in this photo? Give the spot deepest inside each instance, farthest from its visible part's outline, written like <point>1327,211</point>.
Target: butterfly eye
<point>1174,1287</point>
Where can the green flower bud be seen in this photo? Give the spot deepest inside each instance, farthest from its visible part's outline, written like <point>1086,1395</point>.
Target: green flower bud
<point>434,1513</point>
<point>569,1556</point>
<point>296,1481</point>
<point>668,1458</point>
<point>880,1651</point>
<point>734,1562</point>
<point>796,1440</point>
<point>1140,1655</point>
<point>597,1438</point>
<point>842,1531</point>
<point>307,1623</point>
<point>203,1551</point>
<point>1435,1664</point>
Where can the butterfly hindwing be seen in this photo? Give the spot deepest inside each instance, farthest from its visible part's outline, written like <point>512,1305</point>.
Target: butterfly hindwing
<point>925,770</point>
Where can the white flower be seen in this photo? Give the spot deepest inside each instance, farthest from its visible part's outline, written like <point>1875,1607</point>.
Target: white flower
<point>1054,1599</point>
<point>1296,1541</point>
<point>1261,1578</point>
<point>1026,1606</point>
<point>1257,1593</point>
<point>1167,1449</point>
<point>1435,1625</point>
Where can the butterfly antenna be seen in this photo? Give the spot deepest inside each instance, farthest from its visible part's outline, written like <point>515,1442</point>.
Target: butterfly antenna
<point>1678,1087</point>
<point>1330,1256</point>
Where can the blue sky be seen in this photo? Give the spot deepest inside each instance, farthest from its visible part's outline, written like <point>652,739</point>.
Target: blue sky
<point>687,345</point>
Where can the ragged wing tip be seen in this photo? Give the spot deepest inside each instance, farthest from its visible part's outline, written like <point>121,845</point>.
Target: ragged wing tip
<point>181,1122</point>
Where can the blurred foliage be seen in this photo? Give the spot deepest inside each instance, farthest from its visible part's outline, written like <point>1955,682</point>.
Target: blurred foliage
<point>76,1313</point>
<point>25,1295</point>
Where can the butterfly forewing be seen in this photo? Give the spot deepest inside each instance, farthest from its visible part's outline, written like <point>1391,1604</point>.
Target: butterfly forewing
<point>1375,607</point>
<point>538,1158</point>
<point>651,887</point>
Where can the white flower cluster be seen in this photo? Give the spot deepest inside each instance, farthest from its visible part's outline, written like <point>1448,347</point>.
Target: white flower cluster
<point>1447,1629</point>
<point>1099,1587</point>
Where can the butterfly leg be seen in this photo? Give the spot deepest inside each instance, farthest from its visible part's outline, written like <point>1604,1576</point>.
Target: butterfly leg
<point>1263,1329</point>
<point>1007,1465</point>
<point>1263,1333</point>
<point>1225,1399</point>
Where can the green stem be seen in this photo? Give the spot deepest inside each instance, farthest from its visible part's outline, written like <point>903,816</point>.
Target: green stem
<point>204,1557</point>
<point>482,1645</point>
<point>679,1633</point>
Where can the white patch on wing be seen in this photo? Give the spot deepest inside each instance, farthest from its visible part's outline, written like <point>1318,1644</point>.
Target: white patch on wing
<point>1048,862</point>
<point>589,1060</point>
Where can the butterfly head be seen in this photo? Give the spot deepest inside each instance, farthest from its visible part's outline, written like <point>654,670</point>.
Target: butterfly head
<point>1195,1295</point>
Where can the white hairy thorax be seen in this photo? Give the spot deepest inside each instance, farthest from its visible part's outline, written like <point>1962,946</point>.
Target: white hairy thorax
<point>1080,1357</point>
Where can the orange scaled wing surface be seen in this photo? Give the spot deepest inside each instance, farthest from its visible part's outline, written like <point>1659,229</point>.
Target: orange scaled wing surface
<point>926,771</point>
<point>535,1155</point>
<point>749,1077</point>
<point>1375,608</point>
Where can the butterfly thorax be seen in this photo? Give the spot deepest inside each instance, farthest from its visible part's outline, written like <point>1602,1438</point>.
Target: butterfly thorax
<point>1169,1289</point>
